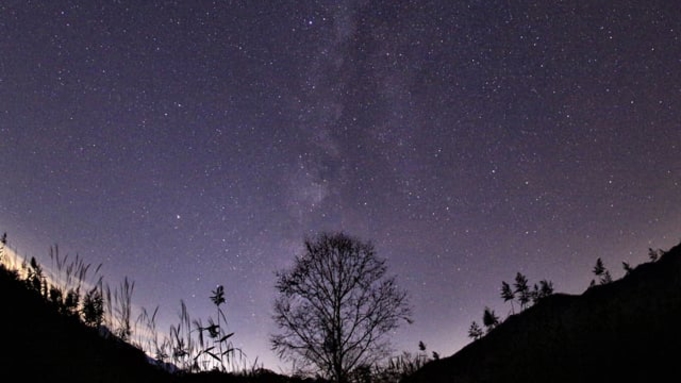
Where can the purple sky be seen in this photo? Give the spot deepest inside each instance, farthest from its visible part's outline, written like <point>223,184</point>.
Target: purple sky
<point>186,144</point>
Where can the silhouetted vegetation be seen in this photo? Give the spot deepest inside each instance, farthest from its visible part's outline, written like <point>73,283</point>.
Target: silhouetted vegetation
<point>49,340</point>
<point>3,242</point>
<point>93,307</point>
<point>601,273</point>
<point>106,313</point>
<point>220,351</point>
<point>69,325</point>
<point>654,255</point>
<point>627,268</point>
<point>193,350</point>
<point>397,368</point>
<point>475,331</point>
<point>617,331</point>
<point>489,319</point>
<point>336,307</point>
<point>522,290</point>
<point>507,294</point>
<point>543,290</point>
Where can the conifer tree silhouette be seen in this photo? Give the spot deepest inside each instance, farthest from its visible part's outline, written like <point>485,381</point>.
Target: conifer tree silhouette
<point>601,273</point>
<point>627,268</point>
<point>507,294</point>
<point>534,294</point>
<point>489,319</point>
<point>599,269</point>
<point>545,288</point>
<point>475,331</point>
<point>522,289</point>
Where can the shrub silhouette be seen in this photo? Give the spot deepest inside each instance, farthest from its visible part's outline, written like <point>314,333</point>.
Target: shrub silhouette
<point>654,255</point>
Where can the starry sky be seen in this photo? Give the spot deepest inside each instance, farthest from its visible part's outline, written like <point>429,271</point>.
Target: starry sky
<point>186,144</point>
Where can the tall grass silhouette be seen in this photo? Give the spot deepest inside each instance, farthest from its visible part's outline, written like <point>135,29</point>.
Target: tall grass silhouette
<point>74,288</point>
<point>220,350</point>
<point>67,282</point>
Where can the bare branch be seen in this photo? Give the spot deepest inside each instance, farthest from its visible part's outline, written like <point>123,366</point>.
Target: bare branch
<point>337,306</point>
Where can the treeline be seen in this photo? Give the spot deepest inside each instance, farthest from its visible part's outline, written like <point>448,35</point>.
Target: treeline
<point>521,294</point>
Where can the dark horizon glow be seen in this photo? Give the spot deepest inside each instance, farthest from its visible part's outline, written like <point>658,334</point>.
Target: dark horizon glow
<point>187,144</point>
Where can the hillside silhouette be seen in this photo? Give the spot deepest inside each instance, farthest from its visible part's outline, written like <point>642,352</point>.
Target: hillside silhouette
<point>628,330</point>
<point>40,344</point>
<point>622,331</point>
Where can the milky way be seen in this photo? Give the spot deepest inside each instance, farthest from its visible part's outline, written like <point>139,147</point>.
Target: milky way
<point>186,144</point>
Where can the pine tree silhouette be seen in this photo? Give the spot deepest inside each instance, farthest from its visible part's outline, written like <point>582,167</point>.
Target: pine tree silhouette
<point>522,289</point>
<point>475,331</point>
<point>627,268</point>
<point>601,273</point>
<point>489,319</point>
<point>507,294</point>
<point>599,269</point>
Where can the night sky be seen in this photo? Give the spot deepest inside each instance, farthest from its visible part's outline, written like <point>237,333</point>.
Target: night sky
<point>187,144</point>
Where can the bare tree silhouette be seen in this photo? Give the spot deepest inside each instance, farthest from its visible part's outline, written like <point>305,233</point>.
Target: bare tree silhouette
<point>336,305</point>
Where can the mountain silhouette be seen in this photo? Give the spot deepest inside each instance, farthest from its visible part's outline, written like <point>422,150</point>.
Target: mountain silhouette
<point>628,330</point>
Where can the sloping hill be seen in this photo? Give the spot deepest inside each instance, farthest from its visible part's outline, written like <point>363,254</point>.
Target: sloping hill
<point>40,345</point>
<point>625,331</point>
